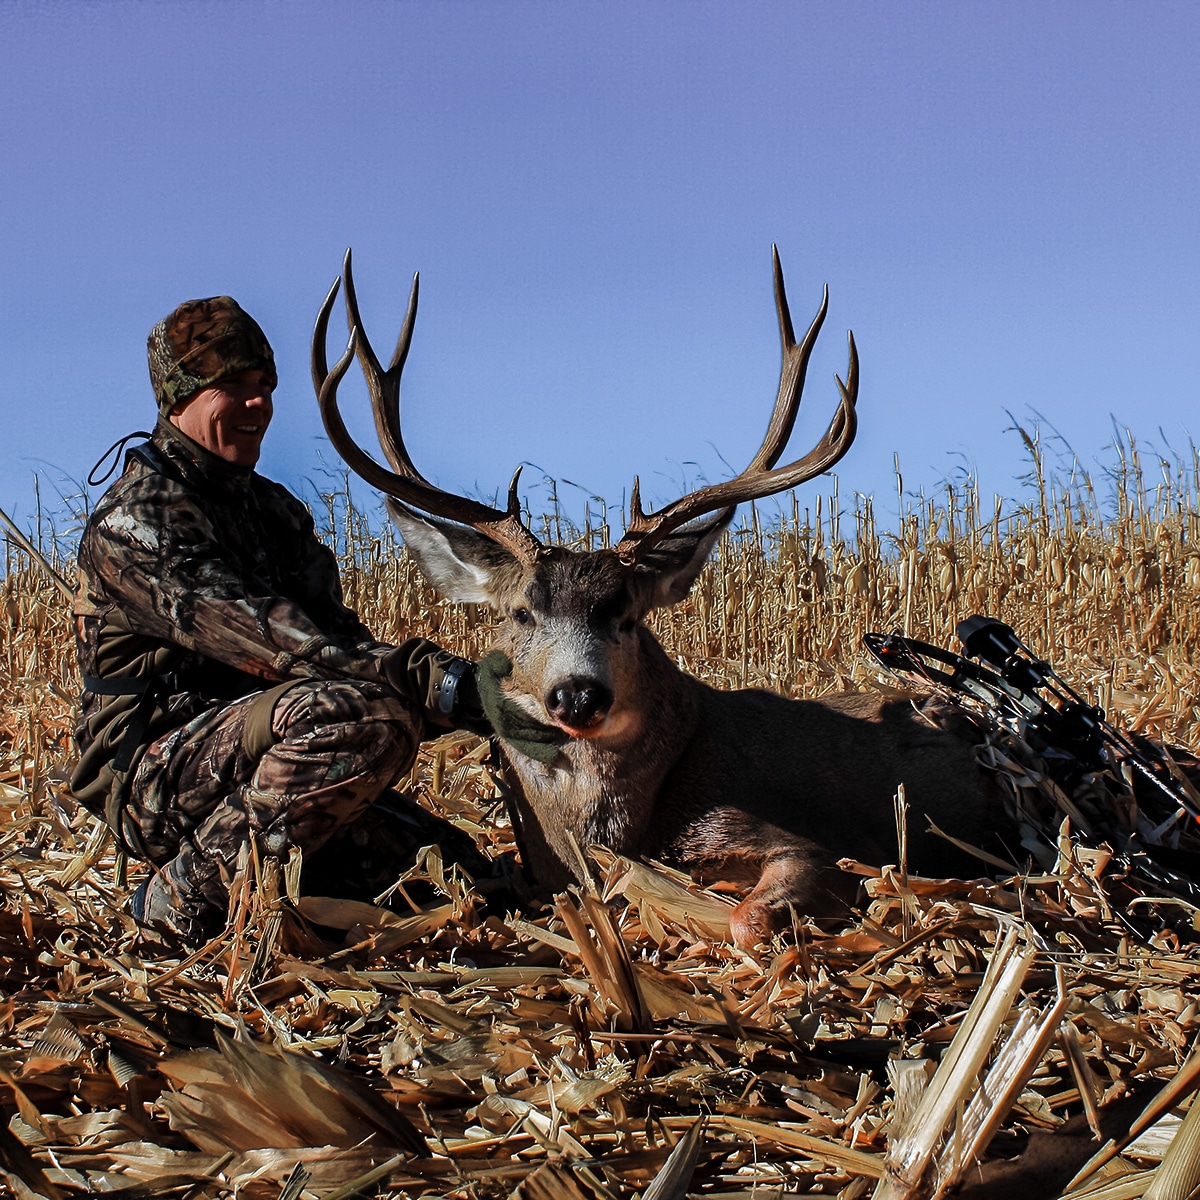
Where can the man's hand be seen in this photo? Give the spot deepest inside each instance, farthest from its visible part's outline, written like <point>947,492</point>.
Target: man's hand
<point>513,725</point>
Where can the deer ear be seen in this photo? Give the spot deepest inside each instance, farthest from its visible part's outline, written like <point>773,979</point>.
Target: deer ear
<point>460,563</point>
<point>669,570</point>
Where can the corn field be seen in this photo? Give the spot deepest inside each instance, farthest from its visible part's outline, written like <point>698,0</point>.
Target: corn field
<point>1104,584</point>
<point>612,1043</point>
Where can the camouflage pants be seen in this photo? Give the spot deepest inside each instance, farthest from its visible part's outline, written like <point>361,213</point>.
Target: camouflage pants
<point>200,793</point>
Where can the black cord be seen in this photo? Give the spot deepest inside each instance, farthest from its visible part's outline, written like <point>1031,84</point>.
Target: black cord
<point>117,446</point>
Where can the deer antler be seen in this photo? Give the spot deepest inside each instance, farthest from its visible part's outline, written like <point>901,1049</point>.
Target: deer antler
<point>761,478</point>
<point>404,482</point>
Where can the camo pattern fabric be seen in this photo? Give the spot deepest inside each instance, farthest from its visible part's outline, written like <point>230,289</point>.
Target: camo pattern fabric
<point>201,342</point>
<point>208,580</point>
<point>200,793</point>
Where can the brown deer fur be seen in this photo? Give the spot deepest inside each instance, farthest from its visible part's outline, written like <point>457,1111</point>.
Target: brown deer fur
<point>746,785</point>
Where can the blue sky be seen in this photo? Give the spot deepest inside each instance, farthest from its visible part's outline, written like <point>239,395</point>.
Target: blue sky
<point>1002,198</point>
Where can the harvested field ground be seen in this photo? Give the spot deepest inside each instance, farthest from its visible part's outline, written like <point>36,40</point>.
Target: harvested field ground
<point>610,1042</point>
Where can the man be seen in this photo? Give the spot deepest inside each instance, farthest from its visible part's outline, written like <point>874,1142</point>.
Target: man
<point>229,694</point>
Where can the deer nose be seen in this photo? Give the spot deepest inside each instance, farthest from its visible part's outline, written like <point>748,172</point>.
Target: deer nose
<point>578,702</point>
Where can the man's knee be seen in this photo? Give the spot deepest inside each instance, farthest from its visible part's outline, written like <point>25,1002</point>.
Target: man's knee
<point>365,720</point>
<point>339,702</point>
<point>318,707</point>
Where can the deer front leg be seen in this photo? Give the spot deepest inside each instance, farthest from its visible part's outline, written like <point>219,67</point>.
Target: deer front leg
<point>782,870</point>
<point>789,881</point>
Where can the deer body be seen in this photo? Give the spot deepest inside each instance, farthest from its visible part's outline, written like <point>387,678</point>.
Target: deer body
<point>754,788</point>
<point>772,792</point>
<point>745,785</point>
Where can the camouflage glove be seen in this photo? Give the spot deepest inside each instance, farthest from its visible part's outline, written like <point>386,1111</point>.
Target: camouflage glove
<point>513,725</point>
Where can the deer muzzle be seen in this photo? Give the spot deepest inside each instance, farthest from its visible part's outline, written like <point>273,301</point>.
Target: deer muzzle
<point>579,704</point>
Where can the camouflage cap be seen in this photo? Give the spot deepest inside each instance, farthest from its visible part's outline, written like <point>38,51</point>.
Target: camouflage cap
<point>200,342</point>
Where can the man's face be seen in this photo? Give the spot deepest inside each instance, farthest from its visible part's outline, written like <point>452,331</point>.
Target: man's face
<point>230,417</point>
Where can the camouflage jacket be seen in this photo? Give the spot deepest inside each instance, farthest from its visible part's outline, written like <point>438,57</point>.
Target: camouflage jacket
<point>207,581</point>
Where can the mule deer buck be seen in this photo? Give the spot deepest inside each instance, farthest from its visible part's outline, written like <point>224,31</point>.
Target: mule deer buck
<point>747,786</point>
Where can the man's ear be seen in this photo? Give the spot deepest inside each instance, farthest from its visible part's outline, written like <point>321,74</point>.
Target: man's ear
<point>461,564</point>
<point>667,573</point>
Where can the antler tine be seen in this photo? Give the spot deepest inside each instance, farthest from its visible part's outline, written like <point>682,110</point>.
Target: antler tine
<point>406,484</point>
<point>761,477</point>
<point>384,386</point>
<point>320,364</point>
<point>792,373</point>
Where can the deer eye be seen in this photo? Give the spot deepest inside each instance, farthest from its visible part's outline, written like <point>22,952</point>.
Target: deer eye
<point>522,616</point>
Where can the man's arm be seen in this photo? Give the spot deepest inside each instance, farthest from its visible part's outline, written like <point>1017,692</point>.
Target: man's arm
<point>164,565</point>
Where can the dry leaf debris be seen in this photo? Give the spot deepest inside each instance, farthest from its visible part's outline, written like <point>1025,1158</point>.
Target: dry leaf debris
<point>326,1046</point>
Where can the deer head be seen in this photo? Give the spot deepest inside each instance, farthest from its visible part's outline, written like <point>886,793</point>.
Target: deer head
<point>572,621</point>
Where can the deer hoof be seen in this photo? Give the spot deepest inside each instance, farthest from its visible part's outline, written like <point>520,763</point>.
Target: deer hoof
<point>753,922</point>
